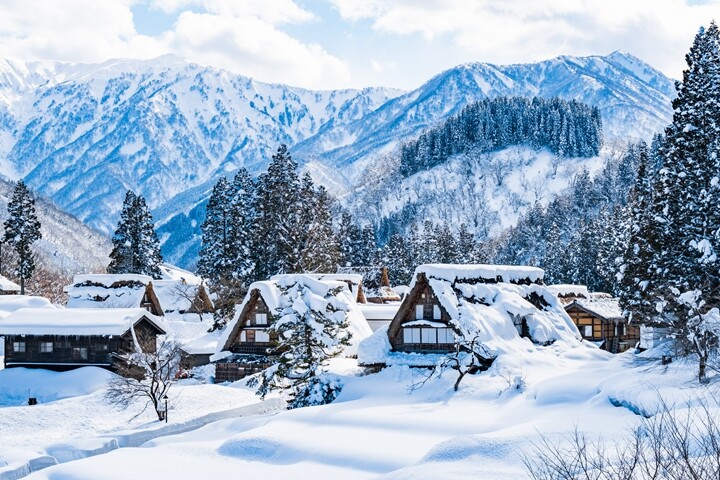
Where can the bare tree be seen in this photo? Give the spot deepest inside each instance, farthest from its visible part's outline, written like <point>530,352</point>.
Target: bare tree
<point>190,294</point>
<point>468,358</point>
<point>146,375</point>
<point>671,445</point>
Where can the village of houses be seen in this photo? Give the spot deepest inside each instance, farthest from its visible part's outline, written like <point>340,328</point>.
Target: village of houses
<point>95,327</point>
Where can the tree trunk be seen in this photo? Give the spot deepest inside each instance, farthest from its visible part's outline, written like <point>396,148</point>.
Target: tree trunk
<point>22,285</point>
<point>702,375</point>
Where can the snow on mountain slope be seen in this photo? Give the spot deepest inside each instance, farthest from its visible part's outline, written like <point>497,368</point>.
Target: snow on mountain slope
<point>82,134</point>
<point>67,244</point>
<point>160,127</point>
<point>634,100</point>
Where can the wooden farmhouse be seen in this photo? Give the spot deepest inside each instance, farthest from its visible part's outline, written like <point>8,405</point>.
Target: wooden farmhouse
<point>8,287</point>
<point>598,317</point>
<point>248,345</point>
<point>375,283</point>
<point>181,292</point>
<point>600,320</point>
<point>450,306</point>
<point>63,338</point>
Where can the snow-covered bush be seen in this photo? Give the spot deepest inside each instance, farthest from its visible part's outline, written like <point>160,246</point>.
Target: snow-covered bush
<point>319,390</point>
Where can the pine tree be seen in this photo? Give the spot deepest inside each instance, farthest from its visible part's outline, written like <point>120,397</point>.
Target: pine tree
<point>121,257</point>
<point>277,207</point>
<point>136,247</point>
<point>685,264</point>
<point>22,229</point>
<point>321,252</point>
<point>311,329</point>
<point>242,221</point>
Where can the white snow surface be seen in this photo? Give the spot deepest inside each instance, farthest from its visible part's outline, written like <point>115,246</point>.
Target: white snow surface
<point>11,303</point>
<point>8,285</point>
<point>455,272</point>
<point>381,427</point>
<point>75,321</point>
<point>569,290</point>
<point>607,307</point>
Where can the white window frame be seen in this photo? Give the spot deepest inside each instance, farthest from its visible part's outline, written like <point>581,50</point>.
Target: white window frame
<point>586,329</point>
<point>19,347</point>
<point>261,318</point>
<point>46,347</point>
<point>419,312</point>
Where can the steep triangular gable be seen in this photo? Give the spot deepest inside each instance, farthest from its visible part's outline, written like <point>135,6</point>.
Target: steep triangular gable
<point>254,298</point>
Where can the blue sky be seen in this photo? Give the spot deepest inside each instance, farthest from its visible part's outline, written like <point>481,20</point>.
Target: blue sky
<point>350,43</point>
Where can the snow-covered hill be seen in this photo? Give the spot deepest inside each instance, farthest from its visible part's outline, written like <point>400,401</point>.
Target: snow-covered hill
<point>633,97</point>
<point>82,134</point>
<point>67,245</point>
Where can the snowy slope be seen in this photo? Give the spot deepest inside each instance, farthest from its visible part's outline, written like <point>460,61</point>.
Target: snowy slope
<point>160,127</point>
<point>633,97</point>
<point>82,134</point>
<point>67,244</point>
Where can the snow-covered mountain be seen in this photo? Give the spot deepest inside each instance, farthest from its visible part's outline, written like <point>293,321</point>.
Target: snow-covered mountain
<point>633,97</point>
<point>82,134</point>
<point>159,127</point>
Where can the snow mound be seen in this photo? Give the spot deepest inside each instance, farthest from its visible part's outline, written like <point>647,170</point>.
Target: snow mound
<point>18,384</point>
<point>489,273</point>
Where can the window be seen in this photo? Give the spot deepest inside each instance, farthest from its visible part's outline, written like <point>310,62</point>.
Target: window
<point>419,312</point>
<point>261,319</point>
<point>620,329</point>
<point>80,353</point>
<point>46,347</point>
<point>250,336</point>
<point>428,335</point>
<point>101,347</point>
<point>588,331</point>
<point>436,312</point>
<point>446,335</point>
<point>261,336</point>
<point>19,347</point>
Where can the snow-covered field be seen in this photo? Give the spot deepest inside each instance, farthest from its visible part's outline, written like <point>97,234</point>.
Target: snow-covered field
<point>379,427</point>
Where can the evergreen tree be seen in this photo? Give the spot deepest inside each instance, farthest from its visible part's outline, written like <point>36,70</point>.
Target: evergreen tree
<point>321,252</point>
<point>22,229</point>
<point>684,267</point>
<point>242,221</point>
<point>310,329</point>
<point>277,223</point>
<point>136,247</point>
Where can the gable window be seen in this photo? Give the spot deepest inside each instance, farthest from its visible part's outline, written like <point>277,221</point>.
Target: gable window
<point>19,347</point>
<point>436,312</point>
<point>419,312</point>
<point>261,319</point>
<point>588,331</point>
<point>46,347</point>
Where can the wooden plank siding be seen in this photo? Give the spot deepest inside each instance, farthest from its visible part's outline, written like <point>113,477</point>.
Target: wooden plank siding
<point>595,328</point>
<point>72,351</point>
<point>421,296</point>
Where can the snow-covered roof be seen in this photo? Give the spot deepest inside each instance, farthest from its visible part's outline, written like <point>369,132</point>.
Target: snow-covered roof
<point>353,281</point>
<point>75,321</point>
<point>176,296</point>
<point>318,294</point>
<point>602,305</point>
<point>488,273</point>
<point>106,291</point>
<point>8,286</point>
<point>567,290</point>
<point>171,272</point>
<point>484,311</point>
<point>109,280</point>
<point>379,311</point>
<point>11,303</point>
<point>374,280</point>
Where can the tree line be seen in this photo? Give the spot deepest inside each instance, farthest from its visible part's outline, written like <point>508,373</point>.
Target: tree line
<point>566,128</point>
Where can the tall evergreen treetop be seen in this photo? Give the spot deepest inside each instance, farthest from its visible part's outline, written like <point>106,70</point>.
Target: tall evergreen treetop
<point>22,229</point>
<point>136,248</point>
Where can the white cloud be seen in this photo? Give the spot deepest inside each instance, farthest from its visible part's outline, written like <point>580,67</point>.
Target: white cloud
<point>659,31</point>
<point>242,36</point>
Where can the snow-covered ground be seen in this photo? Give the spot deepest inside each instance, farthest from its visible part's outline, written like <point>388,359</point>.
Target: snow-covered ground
<point>379,427</point>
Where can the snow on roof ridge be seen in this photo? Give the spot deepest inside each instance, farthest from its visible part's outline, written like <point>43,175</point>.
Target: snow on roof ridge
<point>108,279</point>
<point>567,289</point>
<point>456,272</point>
<point>75,321</point>
<point>8,285</point>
